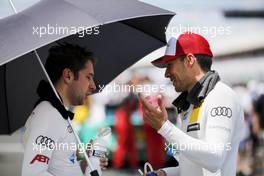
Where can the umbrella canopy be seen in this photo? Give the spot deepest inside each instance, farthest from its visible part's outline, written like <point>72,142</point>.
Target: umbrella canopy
<point>128,30</point>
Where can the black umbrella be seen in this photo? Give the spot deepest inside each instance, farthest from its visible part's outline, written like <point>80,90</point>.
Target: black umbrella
<point>128,30</point>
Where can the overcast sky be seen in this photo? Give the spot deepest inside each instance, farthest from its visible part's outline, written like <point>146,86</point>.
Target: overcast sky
<point>246,34</point>
<point>199,13</point>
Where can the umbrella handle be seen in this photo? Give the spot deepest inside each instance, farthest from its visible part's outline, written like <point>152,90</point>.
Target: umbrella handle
<point>94,173</point>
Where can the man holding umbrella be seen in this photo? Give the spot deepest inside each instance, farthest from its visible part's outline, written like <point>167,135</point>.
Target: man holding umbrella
<point>207,141</point>
<point>50,145</point>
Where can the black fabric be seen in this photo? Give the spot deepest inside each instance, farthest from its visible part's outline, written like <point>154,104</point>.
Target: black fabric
<point>198,93</point>
<point>94,173</point>
<point>46,93</point>
<point>259,109</point>
<point>5,121</point>
<point>181,102</point>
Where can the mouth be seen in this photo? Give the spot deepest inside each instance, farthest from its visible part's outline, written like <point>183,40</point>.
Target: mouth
<point>172,80</point>
<point>88,94</point>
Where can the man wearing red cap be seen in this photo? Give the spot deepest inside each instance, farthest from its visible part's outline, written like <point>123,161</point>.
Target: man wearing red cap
<point>207,142</point>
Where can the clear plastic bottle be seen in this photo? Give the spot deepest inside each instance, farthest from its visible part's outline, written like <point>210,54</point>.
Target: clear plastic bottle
<point>99,148</point>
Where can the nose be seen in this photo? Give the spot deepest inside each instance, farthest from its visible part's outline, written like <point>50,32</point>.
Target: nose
<point>92,85</point>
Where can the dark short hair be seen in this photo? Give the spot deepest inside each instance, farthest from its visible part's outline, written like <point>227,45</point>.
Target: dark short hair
<point>204,61</point>
<point>66,55</point>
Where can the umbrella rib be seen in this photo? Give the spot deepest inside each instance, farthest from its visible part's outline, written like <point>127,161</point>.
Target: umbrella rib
<point>12,5</point>
<point>46,74</point>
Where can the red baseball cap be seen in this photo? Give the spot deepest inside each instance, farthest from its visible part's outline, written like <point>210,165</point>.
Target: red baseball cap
<point>182,45</point>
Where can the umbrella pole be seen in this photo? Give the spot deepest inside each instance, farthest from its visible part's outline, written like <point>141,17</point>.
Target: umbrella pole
<point>93,172</point>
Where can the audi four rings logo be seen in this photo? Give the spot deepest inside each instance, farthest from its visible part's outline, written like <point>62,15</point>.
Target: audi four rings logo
<point>221,111</point>
<point>45,141</point>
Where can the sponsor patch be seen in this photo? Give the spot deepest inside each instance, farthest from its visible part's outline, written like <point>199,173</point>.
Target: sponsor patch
<point>40,158</point>
<point>45,141</point>
<point>221,111</point>
<point>69,129</point>
<point>72,158</point>
<point>193,127</point>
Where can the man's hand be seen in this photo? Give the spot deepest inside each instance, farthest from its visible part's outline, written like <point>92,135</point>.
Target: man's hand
<point>103,163</point>
<point>154,116</point>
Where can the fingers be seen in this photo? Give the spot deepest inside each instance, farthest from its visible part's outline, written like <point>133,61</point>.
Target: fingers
<point>145,103</point>
<point>104,160</point>
<point>161,172</point>
<point>90,147</point>
<point>145,111</point>
<point>161,102</point>
<point>103,163</point>
<point>78,155</point>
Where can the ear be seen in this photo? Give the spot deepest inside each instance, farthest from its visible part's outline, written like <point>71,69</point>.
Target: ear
<point>190,60</point>
<point>67,75</point>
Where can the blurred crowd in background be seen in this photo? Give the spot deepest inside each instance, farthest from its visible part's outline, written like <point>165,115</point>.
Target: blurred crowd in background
<point>251,150</point>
